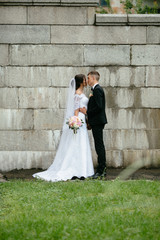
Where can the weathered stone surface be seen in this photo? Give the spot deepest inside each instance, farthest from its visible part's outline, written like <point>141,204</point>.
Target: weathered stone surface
<point>98,35</point>
<point>151,97</point>
<point>63,94</point>
<point>24,34</point>
<point>71,55</point>
<point>4,54</point>
<point>26,76</point>
<point>153,35</point>
<point>29,140</point>
<point>145,55</point>
<point>133,118</point>
<point>152,76</point>
<point>57,15</point>
<point>91,15</point>
<point>16,119</point>
<point>132,98</point>
<point>122,76</point>
<point>144,19</point>
<point>80,2</point>
<point>106,55</point>
<point>61,76</point>
<point>111,19</point>
<point>132,139</point>
<point>48,119</point>
<point>8,98</point>
<point>13,15</point>
<point>38,98</point>
<point>149,158</point>
<point>10,160</point>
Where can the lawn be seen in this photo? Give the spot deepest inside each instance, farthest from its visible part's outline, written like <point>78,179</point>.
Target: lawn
<point>80,210</point>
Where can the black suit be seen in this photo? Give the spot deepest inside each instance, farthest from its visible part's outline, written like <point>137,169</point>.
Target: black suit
<point>97,119</point>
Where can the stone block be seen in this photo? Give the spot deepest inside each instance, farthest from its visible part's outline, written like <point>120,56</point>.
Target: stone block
<point>145,55</point>
<point>120,98</point>
<point>24,34</point>
<point>111,19</point>
<point>63,94</point>
<point>46,2</point>
<point>61,76</point>
<point>16,119</point>
<point>70,55</point>
<point>143,19</point>
<point>26,76</point>
<point>4,54</point>
<point>80,2</point>
<point>132,139</point>
<point>133,118</point>
<point>57,15</point>
<point>153,34</point>
<point>29,140</point>
<point>152,76</point>
<point>150,97</point>
<point>48,119</point>
<point>106,55</point>
<point>8,98</point>
<point>10,160</point>
<point>98,34</point>
<point>38,98</point>
<point>91,15</point>
<point>13,15</point>
<point>114,158</point>
<point>148,158</point>
<point>122,76</point>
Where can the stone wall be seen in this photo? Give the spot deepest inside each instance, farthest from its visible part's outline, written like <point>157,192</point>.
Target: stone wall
<point>43,44</point>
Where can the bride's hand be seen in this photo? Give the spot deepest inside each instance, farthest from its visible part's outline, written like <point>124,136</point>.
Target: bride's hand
<point>83,110</point>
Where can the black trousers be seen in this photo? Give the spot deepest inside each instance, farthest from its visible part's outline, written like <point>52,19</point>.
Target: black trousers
<point>99,146</point>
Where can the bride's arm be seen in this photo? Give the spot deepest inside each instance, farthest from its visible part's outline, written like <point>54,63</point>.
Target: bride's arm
<point>76,112</point>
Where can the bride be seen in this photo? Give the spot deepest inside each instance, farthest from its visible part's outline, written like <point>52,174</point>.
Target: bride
<point>73,158</point>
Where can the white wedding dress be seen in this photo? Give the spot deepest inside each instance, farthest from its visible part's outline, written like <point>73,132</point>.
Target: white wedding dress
<point>73,157</point>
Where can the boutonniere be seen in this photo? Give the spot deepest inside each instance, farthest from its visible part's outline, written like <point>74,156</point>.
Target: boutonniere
<point>91,94</point>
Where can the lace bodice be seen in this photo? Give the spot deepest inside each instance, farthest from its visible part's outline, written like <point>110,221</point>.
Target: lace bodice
<point>80,101</point>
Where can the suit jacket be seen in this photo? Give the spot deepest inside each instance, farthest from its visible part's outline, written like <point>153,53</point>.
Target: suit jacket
<point>96,107</point>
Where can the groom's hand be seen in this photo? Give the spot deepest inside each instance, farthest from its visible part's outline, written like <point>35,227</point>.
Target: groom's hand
<point>83,110</point>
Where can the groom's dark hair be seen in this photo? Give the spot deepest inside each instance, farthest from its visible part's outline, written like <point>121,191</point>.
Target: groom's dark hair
<point>95,73</point>
<point>79,79</point>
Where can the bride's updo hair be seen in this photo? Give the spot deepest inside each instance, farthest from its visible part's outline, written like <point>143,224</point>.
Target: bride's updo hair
<point>79,80</point>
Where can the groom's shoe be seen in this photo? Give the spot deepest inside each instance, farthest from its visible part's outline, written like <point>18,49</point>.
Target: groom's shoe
<point>99,175</point>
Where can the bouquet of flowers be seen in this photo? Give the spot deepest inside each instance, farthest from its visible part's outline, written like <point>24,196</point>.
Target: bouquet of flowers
<point>75,123</point>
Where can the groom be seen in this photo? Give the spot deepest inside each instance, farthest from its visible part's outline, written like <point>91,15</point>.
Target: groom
<point>97,120</point>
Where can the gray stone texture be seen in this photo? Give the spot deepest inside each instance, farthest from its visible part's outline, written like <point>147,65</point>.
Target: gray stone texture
<point>10,160</point>
<point>13,15</point>
<point>4,54</point>
<point>57,15</point>
<point>48,119</point>
<point>38,98</point>
<point>133,118</point>
<point>24,55</point>
<point>132,98</point>
<point>98,34</point>
<point>145,55</point>
<point>29,140</point>
<point>101,55</point>
<point>24,34</point>
<point>144,19</point>
<point>110,19</point>
<point>26,76</point>
<point>153,76</point>
<point>153,34</point>
<point>14,119</point>
<point>132,139</point>
<point>8,98</point>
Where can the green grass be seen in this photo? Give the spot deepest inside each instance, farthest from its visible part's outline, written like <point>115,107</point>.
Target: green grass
<point>80,210</point>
